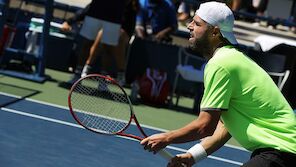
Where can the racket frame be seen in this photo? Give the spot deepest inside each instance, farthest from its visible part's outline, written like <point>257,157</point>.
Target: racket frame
<point>162,152</point>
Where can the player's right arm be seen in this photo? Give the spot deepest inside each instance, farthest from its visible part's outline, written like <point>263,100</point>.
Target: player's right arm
<point>201,127</point>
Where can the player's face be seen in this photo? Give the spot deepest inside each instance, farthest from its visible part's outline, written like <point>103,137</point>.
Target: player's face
<point>199,33</point>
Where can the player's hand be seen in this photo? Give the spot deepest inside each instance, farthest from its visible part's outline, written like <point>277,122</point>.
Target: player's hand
<point>155,142</point>
<point>181,160</point>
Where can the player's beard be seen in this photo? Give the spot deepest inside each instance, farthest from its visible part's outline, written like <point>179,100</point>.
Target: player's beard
<point>200,45</point>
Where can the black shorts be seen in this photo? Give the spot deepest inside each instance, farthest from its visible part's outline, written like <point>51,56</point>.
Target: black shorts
<point>268,157</point>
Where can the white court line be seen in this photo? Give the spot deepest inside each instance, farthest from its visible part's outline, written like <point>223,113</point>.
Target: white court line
<point>10,95</point>
<point>78,126</point>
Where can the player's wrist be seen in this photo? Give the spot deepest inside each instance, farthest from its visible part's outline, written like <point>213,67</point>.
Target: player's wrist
<point>198,152</point>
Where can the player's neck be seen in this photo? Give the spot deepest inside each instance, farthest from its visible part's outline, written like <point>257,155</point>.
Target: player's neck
<point>216,45</point>
<point>209,53</point>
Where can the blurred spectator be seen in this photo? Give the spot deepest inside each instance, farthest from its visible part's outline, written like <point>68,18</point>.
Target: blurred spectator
<point>74,24</point>
<point>77,17</point>
<point>260,6</point>
<point>183,11</point>
<point>107,52</point>
<point>242,6</point>
<point>101,24</point>
<point>257,7</point>
<point>156,20</point>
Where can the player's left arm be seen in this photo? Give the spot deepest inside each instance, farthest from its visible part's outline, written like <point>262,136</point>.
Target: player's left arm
<point>209,144</point>
<point>217,140</point>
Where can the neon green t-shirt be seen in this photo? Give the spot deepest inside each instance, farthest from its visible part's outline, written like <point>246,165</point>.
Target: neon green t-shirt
<point>255,112</point>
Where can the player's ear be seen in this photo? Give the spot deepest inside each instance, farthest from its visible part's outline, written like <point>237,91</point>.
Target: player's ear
<point>216,31</point>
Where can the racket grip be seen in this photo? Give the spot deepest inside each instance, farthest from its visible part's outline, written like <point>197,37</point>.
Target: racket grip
<point>166,155</point>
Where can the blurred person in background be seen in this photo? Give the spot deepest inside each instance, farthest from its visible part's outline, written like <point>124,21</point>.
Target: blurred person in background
<point>260,6</point>
<point>109,53</point>
<point>156,20</point>
<point>257,7</point>
<point>101,28</point>
<point>77,19</point>
<point>183,12</point>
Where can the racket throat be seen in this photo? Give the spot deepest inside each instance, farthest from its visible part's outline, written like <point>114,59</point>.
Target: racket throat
<point>138,125</point>
<point>130,136</point>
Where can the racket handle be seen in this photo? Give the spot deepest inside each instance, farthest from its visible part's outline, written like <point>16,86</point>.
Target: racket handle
<point>166,155</point>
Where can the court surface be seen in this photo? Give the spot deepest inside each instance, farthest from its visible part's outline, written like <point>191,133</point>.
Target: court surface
<point>38,134</point>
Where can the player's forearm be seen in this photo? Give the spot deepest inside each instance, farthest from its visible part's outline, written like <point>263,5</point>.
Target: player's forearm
<point>199,128</point>
<point>208,145</point>
<point>191,132</point>
<point>217,140</point>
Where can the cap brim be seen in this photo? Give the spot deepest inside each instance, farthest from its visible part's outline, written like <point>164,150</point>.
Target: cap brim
<point>229,36</point>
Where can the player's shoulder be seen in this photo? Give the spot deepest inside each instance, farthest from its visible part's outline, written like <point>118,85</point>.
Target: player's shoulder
<point>227,59</point>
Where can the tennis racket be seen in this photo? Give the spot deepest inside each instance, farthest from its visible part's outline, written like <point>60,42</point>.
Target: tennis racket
<point>100,104</point>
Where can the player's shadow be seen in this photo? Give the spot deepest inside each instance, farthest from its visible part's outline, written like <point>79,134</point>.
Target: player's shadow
<point>10,94</point>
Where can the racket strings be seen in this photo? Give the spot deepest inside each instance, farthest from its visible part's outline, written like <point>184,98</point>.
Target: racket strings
<point>100,105</point>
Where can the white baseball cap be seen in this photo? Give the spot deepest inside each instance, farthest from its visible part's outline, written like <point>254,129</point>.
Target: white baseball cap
<point>218,14</point>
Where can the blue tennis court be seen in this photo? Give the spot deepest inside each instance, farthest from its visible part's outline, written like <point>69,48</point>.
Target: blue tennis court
<point>35,134</point>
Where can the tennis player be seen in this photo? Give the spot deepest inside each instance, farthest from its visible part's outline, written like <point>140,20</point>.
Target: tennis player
<point>240,100</point>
